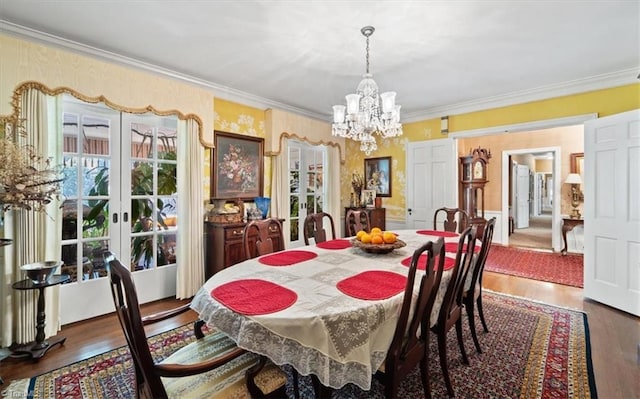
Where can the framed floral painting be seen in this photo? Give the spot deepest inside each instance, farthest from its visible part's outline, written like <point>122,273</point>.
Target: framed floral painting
<point>237,163</point>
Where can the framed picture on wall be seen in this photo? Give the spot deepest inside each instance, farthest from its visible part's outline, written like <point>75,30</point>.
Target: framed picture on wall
<point>577,163</point>
<point>377,175</point>
<point>237,163</point>
<point>369,198</point>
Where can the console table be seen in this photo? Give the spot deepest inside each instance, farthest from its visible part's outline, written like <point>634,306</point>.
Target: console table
<point>569,224</point>
<point>39,347</point>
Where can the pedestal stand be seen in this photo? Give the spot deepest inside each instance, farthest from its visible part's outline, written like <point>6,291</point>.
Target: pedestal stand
<point>40,346</point>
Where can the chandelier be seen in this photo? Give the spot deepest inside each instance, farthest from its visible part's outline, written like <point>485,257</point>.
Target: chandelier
<point>366,112</point>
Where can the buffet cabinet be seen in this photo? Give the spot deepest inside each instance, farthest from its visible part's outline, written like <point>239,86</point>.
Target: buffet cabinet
<point>377,217</point>
<point>223,245</point>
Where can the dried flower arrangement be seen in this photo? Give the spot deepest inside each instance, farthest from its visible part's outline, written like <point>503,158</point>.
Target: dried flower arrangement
<point>27,180</point>
<point>357,183</point>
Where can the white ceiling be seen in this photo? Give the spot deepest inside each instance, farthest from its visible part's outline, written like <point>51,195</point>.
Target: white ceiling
<point>441,57</point>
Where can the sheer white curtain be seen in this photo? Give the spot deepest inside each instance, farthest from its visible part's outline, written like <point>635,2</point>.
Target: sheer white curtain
<point>190,255</point>
<point>36,235</point>
<point>333,188</point>
<point>280,188</point>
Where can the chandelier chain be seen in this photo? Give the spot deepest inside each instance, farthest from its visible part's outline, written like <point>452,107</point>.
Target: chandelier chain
<point>367,54</point>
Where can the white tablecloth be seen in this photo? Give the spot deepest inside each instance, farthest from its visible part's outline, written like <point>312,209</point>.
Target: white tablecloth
<point>338,338</point>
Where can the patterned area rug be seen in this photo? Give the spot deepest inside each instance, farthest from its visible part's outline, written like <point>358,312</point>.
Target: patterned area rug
<point>533,350</point>
<point>536,265</point>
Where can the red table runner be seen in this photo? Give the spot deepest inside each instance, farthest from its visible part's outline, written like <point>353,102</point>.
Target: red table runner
<point>334,244</point>
<point>422,262</point>
<point>453,247</point>
<point>373,285</point>
<point>254,296</point>
<point>287,258</point>
<point>438,233</point>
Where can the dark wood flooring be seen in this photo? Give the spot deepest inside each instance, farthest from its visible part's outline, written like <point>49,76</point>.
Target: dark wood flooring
<point>615,336</point>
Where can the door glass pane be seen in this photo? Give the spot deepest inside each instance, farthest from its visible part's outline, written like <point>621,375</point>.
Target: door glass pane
<point>154,200</point>
<point>166,249</point>
<point>86,167</point>
<point>142,253</point>
<point>95,135</point>
<point>141,140</point>
<point>141,178</point>
<point>294,230</point>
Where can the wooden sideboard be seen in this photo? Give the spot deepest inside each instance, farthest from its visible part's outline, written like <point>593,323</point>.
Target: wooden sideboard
<point>377,216</point>
<point>223,245</point>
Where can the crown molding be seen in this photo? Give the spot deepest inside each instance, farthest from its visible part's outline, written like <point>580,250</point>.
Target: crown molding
<point>219,91</point>
<point>598,82</point>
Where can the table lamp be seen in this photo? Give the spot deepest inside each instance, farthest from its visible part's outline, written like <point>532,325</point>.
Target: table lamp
<point>576,195</point>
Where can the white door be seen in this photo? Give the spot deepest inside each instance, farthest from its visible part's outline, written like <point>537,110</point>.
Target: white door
<point>307,192</point>
<point>119,196</point>
<point>611,211</point>
<point>432,180</point>
<point>522,196</point>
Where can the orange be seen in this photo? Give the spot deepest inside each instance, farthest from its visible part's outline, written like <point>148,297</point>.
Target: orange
<point>376,230</point>
<point>360,234</point>
<point>389,237</point>
<point>377,239</point>
<point>366,238</point>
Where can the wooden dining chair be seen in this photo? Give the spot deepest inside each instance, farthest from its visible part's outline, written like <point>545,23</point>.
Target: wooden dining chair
<point>314,227</point>
<point>356,220</point>
<point>258,237</point>
<point>455,219</point>
<point>212,366</point>
<point>450,312</point>
<point>410,344</point>
<point>473,286</point>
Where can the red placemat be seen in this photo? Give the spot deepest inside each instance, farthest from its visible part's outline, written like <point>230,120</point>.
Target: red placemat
<point>453,247</point>
<point>254,296</point>
<point>334,244</point>
<point>438,233</point>
<point>422,262</point>
<point>287,258</point>
<point>373,285</point>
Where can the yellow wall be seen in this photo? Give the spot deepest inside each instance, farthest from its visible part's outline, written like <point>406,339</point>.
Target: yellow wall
<point>603,102</point>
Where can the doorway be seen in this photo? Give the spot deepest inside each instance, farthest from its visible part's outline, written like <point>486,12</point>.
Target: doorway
<point>531,199</point>
<point>538,231</point>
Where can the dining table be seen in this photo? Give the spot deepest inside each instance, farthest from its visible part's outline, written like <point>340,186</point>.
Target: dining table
<point>328,309</point>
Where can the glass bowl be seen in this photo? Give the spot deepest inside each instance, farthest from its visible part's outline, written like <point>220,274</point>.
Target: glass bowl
<point>41,272</point>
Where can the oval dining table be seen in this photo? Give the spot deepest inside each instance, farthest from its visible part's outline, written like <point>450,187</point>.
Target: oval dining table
<point>328,310</point>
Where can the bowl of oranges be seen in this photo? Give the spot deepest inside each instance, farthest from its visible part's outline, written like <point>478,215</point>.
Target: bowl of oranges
<point>377,241</point>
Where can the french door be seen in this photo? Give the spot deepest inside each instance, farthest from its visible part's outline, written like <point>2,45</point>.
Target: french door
<point>307,192</point>
<point>119,196</point>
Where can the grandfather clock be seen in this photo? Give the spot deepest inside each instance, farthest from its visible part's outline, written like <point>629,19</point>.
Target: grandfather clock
<point>473,178</point>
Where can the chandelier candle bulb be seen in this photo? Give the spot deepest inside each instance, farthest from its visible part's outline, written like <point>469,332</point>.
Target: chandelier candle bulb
<point>338,113</point>
<point>353,102</point>
<point>388,101</point>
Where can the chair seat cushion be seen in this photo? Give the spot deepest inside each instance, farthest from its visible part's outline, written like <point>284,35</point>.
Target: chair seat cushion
<point>227,381</point>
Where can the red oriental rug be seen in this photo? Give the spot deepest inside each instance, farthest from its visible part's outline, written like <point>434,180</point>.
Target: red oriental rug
<point>532,350</point>
<point>536,265</point>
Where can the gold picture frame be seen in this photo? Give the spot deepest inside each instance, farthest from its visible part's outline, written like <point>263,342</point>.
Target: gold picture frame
<point>237,166</point>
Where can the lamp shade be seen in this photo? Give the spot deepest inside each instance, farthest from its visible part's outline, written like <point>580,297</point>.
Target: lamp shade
<point>573,178</point>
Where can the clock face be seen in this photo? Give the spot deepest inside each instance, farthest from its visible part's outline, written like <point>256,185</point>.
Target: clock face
<point>478,170</point>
